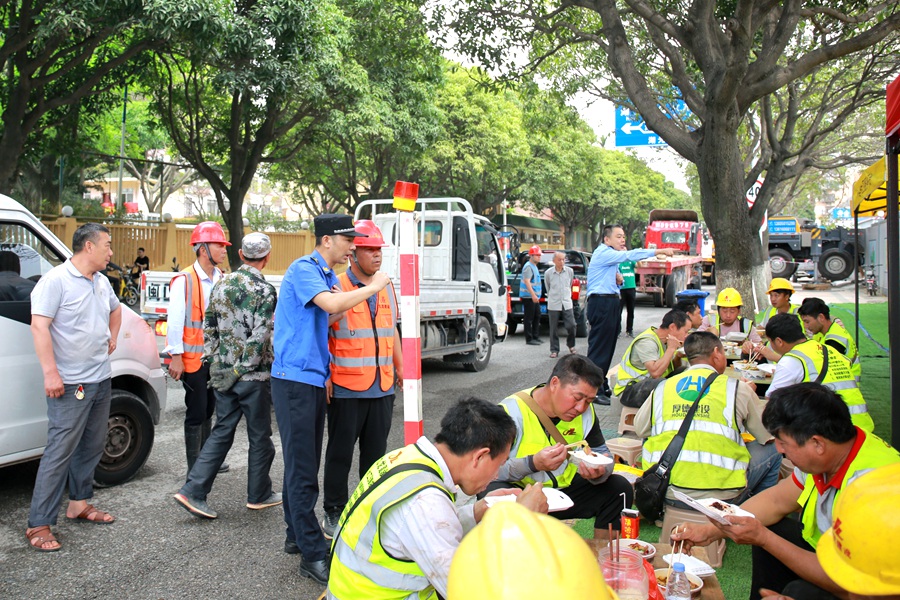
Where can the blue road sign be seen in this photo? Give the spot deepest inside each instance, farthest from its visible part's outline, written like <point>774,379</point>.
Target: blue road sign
<point>632,131</point>
<point>841,213</point>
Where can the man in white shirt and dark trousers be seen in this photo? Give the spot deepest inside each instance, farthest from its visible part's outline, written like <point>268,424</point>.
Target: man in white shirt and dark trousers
<point>558,281</point>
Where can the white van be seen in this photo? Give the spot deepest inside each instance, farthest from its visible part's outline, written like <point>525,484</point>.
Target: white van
<point>139,384</point>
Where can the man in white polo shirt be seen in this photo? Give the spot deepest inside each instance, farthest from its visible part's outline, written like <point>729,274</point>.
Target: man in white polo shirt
<point>75,320</point>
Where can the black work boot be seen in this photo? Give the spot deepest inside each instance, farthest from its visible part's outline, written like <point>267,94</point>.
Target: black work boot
<point>207,429</point>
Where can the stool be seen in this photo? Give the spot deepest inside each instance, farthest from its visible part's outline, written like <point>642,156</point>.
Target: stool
<point>626,419</point>
<point>627,449</point>
<point>673,516</point>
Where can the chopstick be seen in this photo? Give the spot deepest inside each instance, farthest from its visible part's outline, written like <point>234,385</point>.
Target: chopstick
<point>669,570</point>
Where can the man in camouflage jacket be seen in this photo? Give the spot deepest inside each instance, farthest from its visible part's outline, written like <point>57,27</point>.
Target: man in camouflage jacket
<point>238,347</point>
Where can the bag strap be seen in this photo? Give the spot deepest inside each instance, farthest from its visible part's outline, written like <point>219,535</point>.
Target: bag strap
<point>674,448</point>
<point>549,427</point>
<point>824,370</point>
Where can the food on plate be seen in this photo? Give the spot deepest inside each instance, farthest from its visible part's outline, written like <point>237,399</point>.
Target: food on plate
<point>722,506</point>
<point>640,548</point>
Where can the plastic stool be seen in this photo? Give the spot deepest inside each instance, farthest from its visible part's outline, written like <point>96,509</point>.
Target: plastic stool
<point>673,516</point>
<point>627,449</point>
<point>626,419</point>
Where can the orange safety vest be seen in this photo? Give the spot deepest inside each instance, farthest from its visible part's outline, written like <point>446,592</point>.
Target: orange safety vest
<point>192,338</point>
<point>361,345</point>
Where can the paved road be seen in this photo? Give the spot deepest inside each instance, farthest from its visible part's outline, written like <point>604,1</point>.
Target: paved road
<point>157,550</point>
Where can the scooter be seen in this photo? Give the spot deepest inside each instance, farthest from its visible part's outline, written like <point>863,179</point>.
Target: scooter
<point>871,282</point>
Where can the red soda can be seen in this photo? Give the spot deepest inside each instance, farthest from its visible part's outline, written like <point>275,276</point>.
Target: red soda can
<point>631,524</point>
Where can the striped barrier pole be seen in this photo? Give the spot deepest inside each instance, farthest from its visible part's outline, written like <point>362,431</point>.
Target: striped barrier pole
<point>405,196</point>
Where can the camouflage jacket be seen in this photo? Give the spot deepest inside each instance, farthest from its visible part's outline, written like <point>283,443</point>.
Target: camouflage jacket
<point>238,329</point>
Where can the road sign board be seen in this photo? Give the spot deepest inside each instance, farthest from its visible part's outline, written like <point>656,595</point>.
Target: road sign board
<point>841,213</point>
<point>632,131</point>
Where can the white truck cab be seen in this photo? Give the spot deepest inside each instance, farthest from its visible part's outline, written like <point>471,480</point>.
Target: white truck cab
<point>138,382</point>
<point>463,296</point>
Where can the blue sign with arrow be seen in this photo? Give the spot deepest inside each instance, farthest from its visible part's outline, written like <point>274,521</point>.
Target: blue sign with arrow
<point>632,131</point>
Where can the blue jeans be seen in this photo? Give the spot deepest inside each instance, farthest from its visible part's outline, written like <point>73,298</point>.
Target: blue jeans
<point>76,436</point>
<point>762,472</point>
<point>252,400</point>
<point>300,411</point>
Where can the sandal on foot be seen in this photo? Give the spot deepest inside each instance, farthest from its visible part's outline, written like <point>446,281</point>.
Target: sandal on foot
<point>93,515</point>
<point>573,351</point>
<point>553,355</point>
<point>39,536</point>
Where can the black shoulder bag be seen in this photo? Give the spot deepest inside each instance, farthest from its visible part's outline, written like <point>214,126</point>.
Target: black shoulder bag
<point>650,490</point>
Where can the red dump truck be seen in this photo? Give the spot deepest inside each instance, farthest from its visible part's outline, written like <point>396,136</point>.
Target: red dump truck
<point>663,278</point>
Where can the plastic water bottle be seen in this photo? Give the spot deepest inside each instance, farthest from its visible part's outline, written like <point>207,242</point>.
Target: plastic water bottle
<point>678,587</point>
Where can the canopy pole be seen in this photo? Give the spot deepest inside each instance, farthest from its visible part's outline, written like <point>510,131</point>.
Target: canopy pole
<point>892,150</point>
<point>856,270</point>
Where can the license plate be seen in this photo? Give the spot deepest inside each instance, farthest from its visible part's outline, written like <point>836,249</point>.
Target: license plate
<point>158,292</point>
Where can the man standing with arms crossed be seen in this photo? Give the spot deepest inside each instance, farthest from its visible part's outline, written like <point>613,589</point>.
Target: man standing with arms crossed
<point>309,301</point>
<point>188,297</point>
<point>238,346</point>
<point>603,296</point>
<point>366,362</point>
<point>75,320</point>
<point>559,302</point>
<point>530,294</point>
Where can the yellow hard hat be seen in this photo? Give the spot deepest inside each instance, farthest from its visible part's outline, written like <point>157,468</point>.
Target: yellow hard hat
<point>858,551</point>
<point>729,297</point>
<point>780,283</point>
<point>515,553</point>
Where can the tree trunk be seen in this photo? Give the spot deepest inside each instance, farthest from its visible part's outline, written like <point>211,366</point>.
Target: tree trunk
<point>234,223</point>
<point>740,260</point>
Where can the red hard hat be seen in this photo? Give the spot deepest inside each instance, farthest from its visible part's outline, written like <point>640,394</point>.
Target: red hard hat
<point>534,250</point>
<point>208,231</point>
<point>374,237</point>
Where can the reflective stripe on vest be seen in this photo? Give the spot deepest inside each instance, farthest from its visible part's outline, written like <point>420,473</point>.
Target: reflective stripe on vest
<point>839,378</point>
<point>532,439</point>
<point>359,347</point>
<point>772,311</point>
<point>851,352</point>
<point>628,372</point>
<point>714,455</point>
<point>360,566</point>
<point>817,511</point>
<point>192,337</point>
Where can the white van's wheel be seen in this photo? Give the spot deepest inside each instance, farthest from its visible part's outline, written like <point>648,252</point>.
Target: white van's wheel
<point>128,440</point>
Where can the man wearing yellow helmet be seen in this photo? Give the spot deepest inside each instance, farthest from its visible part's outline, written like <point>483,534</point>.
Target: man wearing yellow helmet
<point>812,428</point>
<point>780,292</point>
<point>727,318</point>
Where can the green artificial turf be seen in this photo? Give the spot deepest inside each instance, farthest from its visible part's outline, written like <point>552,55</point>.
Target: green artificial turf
<point>734,574</point>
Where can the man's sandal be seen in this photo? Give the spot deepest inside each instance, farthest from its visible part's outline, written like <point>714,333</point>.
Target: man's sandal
<point>39,536</point>
<point>98,516</point>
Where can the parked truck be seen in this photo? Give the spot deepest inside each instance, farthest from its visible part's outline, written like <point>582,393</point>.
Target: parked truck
<point>462,280</point>
<point>833,252</point>
<point>663,278</point>
<point>138,382</point>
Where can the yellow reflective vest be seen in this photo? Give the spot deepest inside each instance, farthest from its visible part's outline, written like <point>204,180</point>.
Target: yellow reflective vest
<point>360,566</point>
<point>843,337</point>
<point>629,372</point>
<point>745,324</point>
<point>762,317</point>
<point>816,517</point>
<point>714,456</point>
<point>839,378</point>
<point>531,438</point>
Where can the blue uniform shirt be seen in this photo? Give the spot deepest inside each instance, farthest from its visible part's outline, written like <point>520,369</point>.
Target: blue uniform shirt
<point>604,264</point>
<point>301,328</point>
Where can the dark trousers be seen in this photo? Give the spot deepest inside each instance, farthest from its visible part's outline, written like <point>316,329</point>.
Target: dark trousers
<point>350,419</point>
<point>770,573</point>
<point>627,302</point>
<point>252,400</point>
<point>532,319</point>
<point>76,436</point>
<point>601,502</point>
<point>603,315</point>
<point>568,317</point>
<point>300,411</point>
<point>199,400</point>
